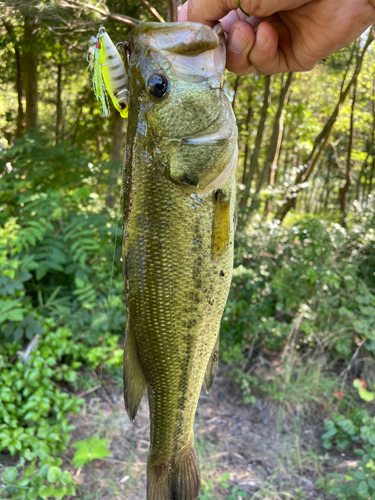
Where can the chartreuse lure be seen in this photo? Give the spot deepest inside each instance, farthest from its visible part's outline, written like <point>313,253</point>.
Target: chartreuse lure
<point>109,75</point>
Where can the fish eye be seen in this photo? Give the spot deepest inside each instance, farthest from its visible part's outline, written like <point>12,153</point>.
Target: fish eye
<point>158,85</point>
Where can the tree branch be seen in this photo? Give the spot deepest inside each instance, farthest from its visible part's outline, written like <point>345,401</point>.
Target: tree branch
<point>153,11</point>
<point>172,11</point>
<point>72,4</point>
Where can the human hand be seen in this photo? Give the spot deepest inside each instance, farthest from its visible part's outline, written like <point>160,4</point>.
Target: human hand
<point>282,35</point>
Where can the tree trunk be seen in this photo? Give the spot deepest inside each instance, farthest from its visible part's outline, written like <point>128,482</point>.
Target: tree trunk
<point>20,129</point>
<point>348,174</point>
<point>325,184</point>
<point>329,187</point>
<point>372,150</point>
<point>29,62</point>
<point>323,138</point>
<point>118,141</point>
<point>235,90</point>
<point>269,168</point>
<point>275,142</point>
<point>248,176</point>
<point>172,11</point>
<point>360,176</point>
<point>249,116</point>
<point>370,182</point>
<point>272,177</point>
<point>59,116</point>
<point>19,85</point>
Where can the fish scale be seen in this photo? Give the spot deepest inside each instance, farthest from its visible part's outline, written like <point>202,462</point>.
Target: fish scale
<point>178,238</point>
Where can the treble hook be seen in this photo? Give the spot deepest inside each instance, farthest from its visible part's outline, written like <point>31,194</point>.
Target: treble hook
<point>128,52</point>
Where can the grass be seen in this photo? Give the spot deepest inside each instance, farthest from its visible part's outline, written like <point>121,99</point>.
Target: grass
<point>299,387</point>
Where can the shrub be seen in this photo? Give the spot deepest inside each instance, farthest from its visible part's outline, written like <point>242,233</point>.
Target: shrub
<point>356,427</point>
<point>46,482</point>
<point>312,270</point>
<point>33,407</point>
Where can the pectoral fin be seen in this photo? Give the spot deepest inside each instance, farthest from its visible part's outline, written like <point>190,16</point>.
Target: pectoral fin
<point>134,380</point>
<point>220,224</point>
<point>209,376</point>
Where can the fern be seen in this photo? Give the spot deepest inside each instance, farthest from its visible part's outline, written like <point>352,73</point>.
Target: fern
<point>56,246</point>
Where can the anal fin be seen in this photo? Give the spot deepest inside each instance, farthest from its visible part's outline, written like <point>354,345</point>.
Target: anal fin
<point>209,376</point>
<point>134,380</point>
<point>220,224</point>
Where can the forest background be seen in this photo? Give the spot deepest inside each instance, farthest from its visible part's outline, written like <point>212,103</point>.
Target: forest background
<point>299,326</point>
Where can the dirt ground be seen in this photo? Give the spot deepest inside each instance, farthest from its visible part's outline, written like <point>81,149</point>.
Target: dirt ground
<point>267,455</point>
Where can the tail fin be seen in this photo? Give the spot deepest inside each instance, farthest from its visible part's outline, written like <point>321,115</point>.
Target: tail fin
<point>177,480</point>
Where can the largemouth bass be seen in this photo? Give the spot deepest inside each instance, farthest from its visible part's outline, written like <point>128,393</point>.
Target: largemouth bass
<point>179,211</point>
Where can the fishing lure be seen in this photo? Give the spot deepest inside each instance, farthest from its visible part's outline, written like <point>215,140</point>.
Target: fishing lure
<point>109,75</point>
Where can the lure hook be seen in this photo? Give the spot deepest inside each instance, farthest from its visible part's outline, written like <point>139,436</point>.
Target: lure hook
<point>128,52</point>
<point>127,47</point>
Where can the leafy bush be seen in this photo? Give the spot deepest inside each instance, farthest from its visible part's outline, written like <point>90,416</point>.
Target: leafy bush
<point>344,430</point>
<point>356,427</point>
<point>46,482</point>
<point>312,270</point>
<point>33,408</point>
<point>358,483</point>
<point>59,246</point>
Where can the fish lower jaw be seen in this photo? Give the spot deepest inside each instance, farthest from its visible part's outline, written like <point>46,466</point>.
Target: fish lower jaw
<point>223,134</point>
<point>225,174</point>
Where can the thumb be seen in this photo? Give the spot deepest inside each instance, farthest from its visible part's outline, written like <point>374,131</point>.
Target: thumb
<point>183,13</point>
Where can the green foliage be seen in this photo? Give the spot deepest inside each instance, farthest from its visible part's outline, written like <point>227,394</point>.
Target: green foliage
<point>357,483</point>
<point>33,408</point>
<point>38,166</point>
<point>310,271</point>
<point>232,492</point>
<point>33,411</point>
<point>61,293</point>
<point>356,427</point>
<point>363,393</point>
<point>342,431</point>
<point>47,481</point>
<point>57,256</point>
<point>293,387</point>
<point>89,449</point>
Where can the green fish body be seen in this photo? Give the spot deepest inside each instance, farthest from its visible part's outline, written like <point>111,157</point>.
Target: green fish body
<point>179,222</point>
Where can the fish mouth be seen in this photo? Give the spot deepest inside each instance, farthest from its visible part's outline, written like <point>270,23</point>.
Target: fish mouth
<point>222,135</point>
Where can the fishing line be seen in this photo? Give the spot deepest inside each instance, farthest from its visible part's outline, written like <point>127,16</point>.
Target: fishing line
<point>115,245</point>
<point>113,263</point>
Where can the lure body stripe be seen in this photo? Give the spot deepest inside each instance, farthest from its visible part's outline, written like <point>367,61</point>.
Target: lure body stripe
<point>109,74</point>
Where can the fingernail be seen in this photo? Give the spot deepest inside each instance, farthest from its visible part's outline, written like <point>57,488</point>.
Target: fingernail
<point>261,38</point>
<point>238,42</point>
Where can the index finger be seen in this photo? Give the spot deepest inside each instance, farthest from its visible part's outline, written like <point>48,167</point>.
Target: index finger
<point>210,11</point>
